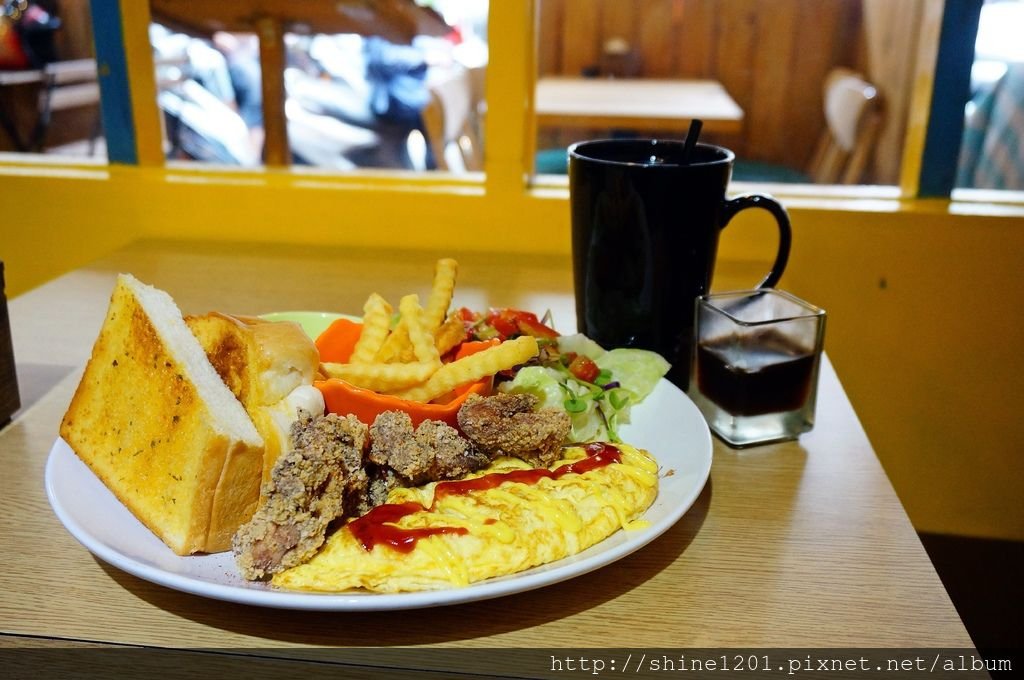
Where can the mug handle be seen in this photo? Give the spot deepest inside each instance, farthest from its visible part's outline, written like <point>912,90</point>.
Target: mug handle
<point>734,206</point>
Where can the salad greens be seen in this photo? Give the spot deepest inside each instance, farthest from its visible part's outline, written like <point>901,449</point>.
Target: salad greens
<point>596,387</point>
<point>599,406</point>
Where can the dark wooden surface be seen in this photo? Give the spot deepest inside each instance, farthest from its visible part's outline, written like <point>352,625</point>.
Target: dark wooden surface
<point>982,577</point>
<point>9,401</point>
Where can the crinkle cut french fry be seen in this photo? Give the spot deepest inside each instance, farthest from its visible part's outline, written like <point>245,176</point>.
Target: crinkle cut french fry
<point>376,322</point>
<point>473,367</point>
<point>397,347</point>
<point>441,291</point>
<point>380,377</point>
<point>449,334</point>
<point>422,342</point>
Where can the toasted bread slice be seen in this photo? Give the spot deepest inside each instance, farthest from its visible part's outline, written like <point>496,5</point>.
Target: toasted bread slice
<point>155,422</point>
<point>269,366</point>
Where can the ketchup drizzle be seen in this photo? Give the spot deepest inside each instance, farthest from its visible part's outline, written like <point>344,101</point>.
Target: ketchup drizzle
<point>599,455</point>
<point>378,525</point>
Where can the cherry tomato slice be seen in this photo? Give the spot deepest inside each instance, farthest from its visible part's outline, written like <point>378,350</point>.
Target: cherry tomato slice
<point>584,368</point>
<point>536,329</point>
<point>511,322</point>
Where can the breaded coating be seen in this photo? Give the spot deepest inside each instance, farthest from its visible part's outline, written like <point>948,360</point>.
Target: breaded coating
<point>319,480</point>
<point>432,452</point>
<point>509,424</point>
<point>382,480</point>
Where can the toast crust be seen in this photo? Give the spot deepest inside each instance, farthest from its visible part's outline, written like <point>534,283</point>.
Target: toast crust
<point>141,424</point>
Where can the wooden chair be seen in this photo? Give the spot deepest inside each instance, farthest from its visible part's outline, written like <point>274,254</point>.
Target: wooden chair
<point>447,118</point>
<point>478,91</point>
<point>853,120</point>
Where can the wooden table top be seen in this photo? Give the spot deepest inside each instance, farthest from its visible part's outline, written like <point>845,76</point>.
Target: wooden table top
<point>647,104</point>
<point>72,70</point>
<point>797,544</point>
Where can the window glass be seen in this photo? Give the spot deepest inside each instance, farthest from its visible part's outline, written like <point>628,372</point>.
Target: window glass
<point>394,85</point>
<point>802,90</point>
<point>209,95</point>
<point>49,95</point>
<point>992,148</point>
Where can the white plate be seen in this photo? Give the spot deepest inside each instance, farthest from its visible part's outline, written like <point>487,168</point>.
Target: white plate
<point>667,424</point>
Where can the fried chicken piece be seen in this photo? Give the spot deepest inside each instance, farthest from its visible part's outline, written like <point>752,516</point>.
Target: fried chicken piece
<point>510,424</point>
<point>382,480</point>
<point>319,480</point>
<point>432,452</point>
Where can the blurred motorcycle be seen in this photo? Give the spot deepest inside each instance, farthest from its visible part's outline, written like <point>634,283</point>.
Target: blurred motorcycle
<point>348,104</point>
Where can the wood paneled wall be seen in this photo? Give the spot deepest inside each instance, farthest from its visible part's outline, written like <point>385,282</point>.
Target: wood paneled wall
<point>771,55</point>
<point>74,40</point>
<point>891,40</point>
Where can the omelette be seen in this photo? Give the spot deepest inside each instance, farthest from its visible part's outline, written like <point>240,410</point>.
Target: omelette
<point>502,520</point>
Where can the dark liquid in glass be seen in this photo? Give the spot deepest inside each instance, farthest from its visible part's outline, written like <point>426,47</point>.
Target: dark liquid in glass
<point>754,375</point>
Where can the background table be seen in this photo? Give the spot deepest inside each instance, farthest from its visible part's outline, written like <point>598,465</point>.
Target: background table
<point>647,104</point>
<point>55,87</point>
<point>800,544</point>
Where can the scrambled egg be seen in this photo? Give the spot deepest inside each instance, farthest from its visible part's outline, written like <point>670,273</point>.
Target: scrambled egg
<point>430,541</point>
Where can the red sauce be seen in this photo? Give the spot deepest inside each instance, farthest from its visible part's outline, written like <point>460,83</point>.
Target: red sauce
<point>378,525</point>
<point>599,455</point>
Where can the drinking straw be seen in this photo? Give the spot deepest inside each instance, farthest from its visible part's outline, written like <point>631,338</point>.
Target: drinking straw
<point>691,139</point>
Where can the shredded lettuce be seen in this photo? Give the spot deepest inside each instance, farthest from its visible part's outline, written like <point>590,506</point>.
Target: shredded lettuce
<point>552,389</point>
<point>579,344</point>
<point>596,410</point>
<point>543,383</point>
<point>637,370</point>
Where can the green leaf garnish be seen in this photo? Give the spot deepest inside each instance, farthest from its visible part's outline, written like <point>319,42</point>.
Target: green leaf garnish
<point>575,405</point>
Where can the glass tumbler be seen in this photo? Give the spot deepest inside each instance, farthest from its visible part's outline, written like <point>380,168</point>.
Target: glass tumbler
<point>755,364</point>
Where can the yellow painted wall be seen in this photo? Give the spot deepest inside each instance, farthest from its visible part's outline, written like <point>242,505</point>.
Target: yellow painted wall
<point>54,219</point>
<point>925,331</point>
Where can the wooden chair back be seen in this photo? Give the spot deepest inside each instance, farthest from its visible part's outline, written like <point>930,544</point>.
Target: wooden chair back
<point>448,120</point>
<point>853,118</point>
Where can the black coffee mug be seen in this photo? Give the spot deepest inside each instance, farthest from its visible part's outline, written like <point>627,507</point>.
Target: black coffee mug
<point>645,226</point>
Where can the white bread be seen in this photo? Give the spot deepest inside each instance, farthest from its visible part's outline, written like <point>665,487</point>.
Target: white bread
<point>156,423</point>
<point>268,366</point>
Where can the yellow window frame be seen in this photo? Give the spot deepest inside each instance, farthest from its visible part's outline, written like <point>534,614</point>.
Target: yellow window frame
<point>91,208</point>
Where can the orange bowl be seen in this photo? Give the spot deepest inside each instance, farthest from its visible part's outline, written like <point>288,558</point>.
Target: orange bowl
<point>344,398</point>
<point>337,341</point>
<point>341,397</point>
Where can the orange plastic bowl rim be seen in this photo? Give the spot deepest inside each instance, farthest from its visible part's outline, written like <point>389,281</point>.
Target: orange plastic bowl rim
<point>344,398</point>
